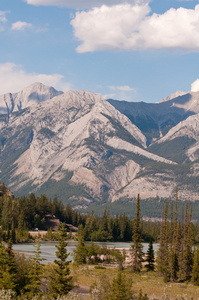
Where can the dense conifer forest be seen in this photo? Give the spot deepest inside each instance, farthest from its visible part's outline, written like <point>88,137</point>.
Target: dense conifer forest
<point>23,277</point>
<point>19,215</point>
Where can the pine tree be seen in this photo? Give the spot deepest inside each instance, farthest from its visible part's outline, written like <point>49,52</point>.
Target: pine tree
<point>175,242</point>
<point>163,251</point>
<point>81,250</point>
<point>150,257</point>
<point>35,276</point>
<point>136,246</point>
<point>8,278</point>
<point>121,288</point>
<point>195,270</point>
<point>61,282</point>
<point>186,254</point>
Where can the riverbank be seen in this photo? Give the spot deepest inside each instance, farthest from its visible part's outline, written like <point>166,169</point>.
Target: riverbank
<point>48,248</point>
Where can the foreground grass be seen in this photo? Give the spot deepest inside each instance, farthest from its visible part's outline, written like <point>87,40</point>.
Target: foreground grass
<point>150,282</point>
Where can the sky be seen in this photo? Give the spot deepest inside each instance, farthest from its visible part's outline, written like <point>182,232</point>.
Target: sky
<point>134,50</point>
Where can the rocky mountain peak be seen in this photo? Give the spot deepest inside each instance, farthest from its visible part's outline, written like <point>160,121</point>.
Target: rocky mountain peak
<point>33,94</point>
<point>86,149</point>
<point>80,99</point>
<point>172,96</point>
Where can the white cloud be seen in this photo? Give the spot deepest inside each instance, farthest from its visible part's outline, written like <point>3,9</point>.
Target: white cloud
<point>195,86</point>
<point>3,19</point>
<point>124,88</point>
<point>13,78</point>
<point>80,4</point>
<point>109,96</point>
<point>123,92</point>
<point>20,25</point>
<point>3,16</point>
<point>131,27</point>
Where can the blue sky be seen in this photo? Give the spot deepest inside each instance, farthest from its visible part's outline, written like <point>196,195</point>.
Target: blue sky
<point>136,50</point>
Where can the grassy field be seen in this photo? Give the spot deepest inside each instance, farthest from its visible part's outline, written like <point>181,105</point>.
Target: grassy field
<point>150,283</point>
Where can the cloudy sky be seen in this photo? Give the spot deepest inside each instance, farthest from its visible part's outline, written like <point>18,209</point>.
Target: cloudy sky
<point>136,50</point>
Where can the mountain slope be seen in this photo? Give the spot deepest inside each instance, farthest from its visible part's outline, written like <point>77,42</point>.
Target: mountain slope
<point>156,119</point>
<point>75,142</point>
<point>83,149</point>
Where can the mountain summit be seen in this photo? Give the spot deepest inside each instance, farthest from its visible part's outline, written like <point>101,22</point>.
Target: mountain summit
<point>30,95</point>
<point>86,149</point>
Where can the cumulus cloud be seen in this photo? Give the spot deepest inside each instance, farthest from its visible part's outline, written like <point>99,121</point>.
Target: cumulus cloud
<point>81,4</point>
<point>131,27</point>
<point>195,86</point>
<point>13,78</point>
<point>20,25</point>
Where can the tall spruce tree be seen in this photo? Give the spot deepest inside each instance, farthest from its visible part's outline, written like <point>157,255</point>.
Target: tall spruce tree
<point>175,242</point>
<point>81,250</point>
<point>35,276</point>
<point>163,251</point>
<point>136,246</point>
<point>150,257</point>
<point>61,281</point>
<point>8,268</point>
<point>186,254</point>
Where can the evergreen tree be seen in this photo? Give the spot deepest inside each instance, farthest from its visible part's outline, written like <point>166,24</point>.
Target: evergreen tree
<point>186,254</point>
<point>136,246</point>
<point>175,243</point>
<point>163,251</point>
<point>8,278</point>
<point>35,276</point>
<point>81,250</point>
<point>121,288</point>
<point>195,270</point>
<point>150,257</point>
<point>61,282</point>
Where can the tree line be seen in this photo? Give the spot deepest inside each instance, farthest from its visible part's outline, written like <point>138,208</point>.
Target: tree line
<point>19,215</point>
<point>176,260</point>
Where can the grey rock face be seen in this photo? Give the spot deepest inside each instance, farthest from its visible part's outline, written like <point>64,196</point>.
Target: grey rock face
<point>86,149</point>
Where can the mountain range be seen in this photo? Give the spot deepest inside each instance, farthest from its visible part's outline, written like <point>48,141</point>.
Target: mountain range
<point>86,150</point>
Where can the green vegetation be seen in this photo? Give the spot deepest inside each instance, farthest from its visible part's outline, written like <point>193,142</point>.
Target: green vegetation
<point>117,275</point>
<point>175,253</point>
<point>150,257</point>
<point>61,282</point>
<point>136,246</point>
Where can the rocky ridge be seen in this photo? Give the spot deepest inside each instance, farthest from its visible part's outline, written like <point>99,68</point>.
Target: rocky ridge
<point>86,149</point>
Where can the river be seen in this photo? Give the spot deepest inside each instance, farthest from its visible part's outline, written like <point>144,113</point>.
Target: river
<point>48,249</point>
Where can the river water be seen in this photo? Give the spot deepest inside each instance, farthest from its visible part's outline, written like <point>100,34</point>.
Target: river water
<point>48,249</point>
